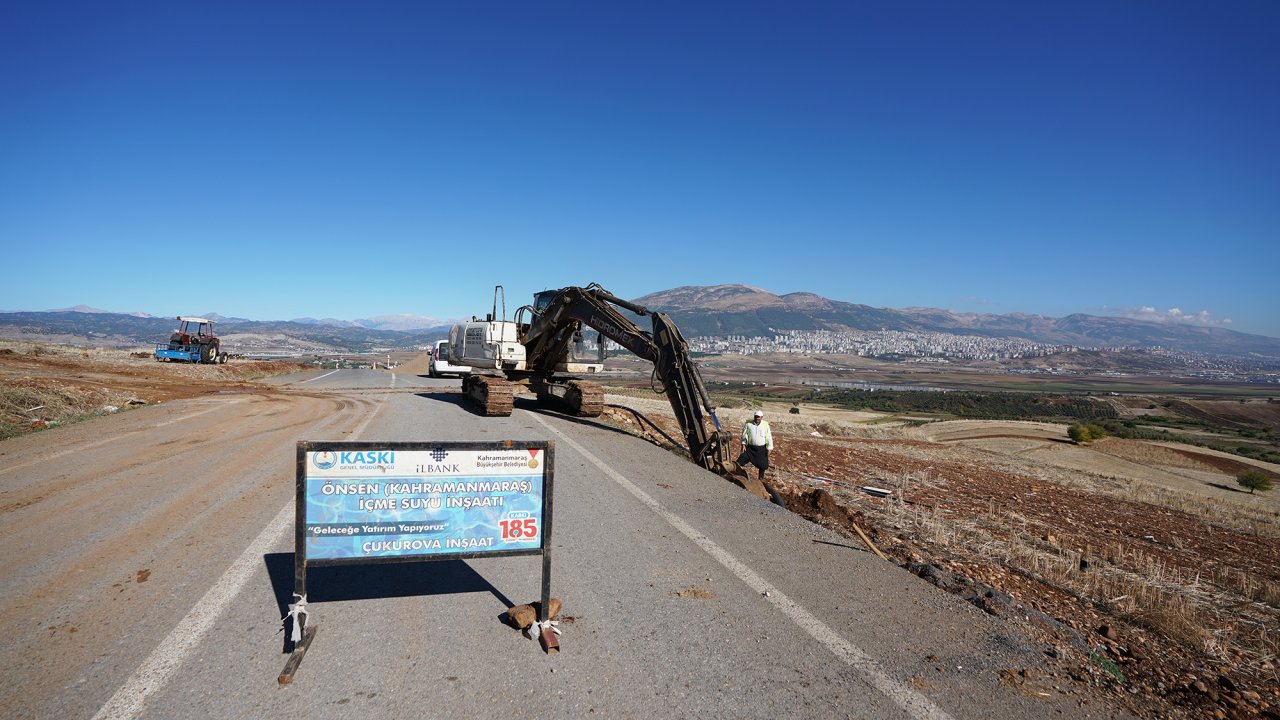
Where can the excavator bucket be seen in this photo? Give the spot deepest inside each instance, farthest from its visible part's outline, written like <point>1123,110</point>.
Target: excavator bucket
<point>743,478</point>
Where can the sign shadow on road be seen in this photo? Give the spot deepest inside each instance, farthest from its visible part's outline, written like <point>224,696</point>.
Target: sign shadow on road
<point>344,583</point>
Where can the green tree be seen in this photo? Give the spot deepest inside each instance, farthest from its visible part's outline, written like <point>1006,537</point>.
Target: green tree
<point>1254,480</point>
<point>1079,433</point>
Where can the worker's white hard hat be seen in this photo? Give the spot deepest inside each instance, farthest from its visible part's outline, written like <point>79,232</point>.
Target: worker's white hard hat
<point>759,413</point>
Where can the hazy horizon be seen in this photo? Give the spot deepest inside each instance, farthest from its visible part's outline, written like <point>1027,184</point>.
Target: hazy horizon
<point>385,319</point>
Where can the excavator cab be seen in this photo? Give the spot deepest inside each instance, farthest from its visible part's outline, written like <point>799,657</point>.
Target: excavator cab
<point>542,300</point>
<point>585,350</point>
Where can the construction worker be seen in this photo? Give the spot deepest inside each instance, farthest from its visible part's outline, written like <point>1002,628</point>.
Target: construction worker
<point>757,441</point>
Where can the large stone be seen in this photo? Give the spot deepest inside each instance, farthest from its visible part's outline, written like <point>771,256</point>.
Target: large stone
<point>523,616</point>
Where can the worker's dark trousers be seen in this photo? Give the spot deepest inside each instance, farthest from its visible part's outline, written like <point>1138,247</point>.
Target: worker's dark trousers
<point>757,455</point>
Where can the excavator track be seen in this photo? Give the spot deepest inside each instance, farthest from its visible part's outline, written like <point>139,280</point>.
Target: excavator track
<point>494,396</point>
<point>588,398</point>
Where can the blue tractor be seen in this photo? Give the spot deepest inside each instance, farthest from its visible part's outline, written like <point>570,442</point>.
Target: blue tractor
<point>193,342</point>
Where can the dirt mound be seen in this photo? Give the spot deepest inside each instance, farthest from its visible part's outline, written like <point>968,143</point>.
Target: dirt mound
<point>1144,591</point>
<point>44,385</point>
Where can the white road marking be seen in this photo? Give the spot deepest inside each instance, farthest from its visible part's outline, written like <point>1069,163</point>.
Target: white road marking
<point>913,703</point>
<point>360,428</point>
<point>156,671</point>
<point>116,438</point>
<point>165,660</point>
<point>304,382</point>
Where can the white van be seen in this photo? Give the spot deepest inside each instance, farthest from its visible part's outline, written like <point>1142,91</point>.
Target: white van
<point>439,365</point>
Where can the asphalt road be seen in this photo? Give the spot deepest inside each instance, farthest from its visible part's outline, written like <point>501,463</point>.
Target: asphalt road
<point>148,561</point>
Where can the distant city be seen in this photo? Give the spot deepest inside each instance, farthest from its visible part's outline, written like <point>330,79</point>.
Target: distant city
<point>935,347</point>
<point>880,343</point>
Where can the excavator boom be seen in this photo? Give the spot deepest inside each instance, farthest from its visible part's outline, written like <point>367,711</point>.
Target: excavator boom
<point>559,322</point>
<point>544,348</point>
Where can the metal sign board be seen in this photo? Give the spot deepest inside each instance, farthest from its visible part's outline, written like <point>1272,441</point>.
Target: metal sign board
<point>386,502</point>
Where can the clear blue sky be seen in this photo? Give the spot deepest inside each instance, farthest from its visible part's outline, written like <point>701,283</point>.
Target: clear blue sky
<point>274,160</point>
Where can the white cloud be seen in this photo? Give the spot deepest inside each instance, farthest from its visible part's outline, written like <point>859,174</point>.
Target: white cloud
<point>1170,316</point>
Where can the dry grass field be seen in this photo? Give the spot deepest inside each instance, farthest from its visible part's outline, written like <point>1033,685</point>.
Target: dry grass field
<point>1142,565</point>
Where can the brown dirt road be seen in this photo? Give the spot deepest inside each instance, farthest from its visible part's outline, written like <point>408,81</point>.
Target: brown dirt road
<point>112,528</point>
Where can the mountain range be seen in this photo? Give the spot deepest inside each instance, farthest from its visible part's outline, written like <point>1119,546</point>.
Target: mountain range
<point>403,322</point>
<point>717,310</point>
<point>104,329</point>
<point>721,310</point>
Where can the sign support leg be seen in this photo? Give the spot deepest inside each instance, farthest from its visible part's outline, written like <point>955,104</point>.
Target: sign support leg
<point>295,657</point>
<point>547,638</point>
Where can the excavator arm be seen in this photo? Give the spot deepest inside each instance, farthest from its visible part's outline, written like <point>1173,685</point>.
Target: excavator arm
<point>552,330</point>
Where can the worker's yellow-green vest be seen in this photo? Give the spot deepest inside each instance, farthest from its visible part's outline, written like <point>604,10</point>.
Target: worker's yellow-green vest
<point>763,433</point>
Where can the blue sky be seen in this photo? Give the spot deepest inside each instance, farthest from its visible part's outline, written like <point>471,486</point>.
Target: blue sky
<point>349,160</point>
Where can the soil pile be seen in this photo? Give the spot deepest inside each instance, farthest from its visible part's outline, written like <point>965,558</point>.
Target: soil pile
<point>45,385</point>
<point>1166,601</point>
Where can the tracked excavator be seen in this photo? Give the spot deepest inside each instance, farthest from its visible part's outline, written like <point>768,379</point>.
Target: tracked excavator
<point>546,350</point>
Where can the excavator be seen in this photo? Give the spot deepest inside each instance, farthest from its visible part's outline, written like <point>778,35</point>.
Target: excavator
<point>546,350</point>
